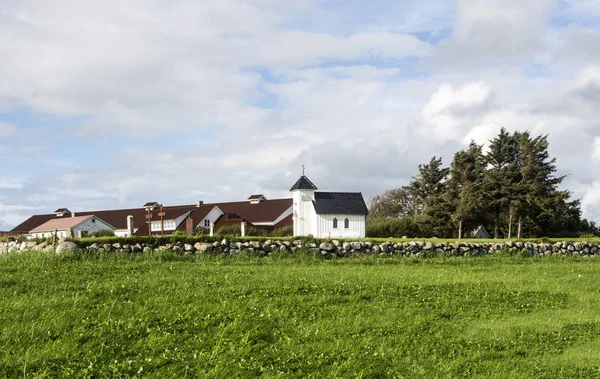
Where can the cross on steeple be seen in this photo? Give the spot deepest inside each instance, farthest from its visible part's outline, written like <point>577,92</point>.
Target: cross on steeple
<point>302,170</point>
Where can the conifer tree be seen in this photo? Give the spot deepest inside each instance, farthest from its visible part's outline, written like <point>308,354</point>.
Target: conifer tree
<point>499,184</point>
<point>464,188</point>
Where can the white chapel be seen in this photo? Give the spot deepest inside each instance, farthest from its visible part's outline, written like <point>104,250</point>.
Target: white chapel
<point>327,214</point>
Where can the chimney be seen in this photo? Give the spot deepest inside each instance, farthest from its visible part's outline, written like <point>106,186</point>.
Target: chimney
<point>199,203</point>
<point>73,214</point>
<point>189,226</point>
<point>130,229</point>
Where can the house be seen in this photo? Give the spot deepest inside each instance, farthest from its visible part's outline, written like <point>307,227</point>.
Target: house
<point>327,214</point>
<point>74,226</point>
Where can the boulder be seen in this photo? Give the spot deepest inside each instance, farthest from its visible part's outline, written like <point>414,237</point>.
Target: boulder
<point>147,249</point>
<point>203,247</point>
<point>66,246</point>
<point>327,246</point>
<point>188,247</point>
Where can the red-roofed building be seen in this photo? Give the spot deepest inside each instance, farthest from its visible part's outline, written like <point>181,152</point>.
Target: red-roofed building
<point>74,226</point>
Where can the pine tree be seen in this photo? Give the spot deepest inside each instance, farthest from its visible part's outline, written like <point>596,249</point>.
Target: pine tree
<point>428,188</point>
<point>499,184</point>
<point>428,184</point>
<point>464,188</point>
<point>537,195</point>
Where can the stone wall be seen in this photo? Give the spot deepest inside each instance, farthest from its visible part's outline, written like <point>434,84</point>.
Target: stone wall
<point>414,249</point>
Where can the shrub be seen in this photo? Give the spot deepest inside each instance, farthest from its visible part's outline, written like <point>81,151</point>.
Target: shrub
<point>236,230</point>
<point>411,227</point>
<point>103,233</point>
<point>230,230</point>
<point>284,231</point>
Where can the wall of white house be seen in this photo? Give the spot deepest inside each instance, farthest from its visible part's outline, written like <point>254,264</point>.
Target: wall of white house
<point>211,217</point>
<point>325,229</point>
<point>90,226</point>
<point>304,212</point>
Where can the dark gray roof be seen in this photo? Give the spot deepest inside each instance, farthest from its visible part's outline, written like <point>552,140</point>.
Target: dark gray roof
<point>303,183</point>
<point>349,203</point>
<point>253,197</point>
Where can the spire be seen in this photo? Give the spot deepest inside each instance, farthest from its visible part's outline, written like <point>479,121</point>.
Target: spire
<point>303,184</point>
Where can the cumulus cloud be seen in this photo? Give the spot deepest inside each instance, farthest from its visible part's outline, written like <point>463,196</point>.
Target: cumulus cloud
<point>219,99</point>
<point>450,112</point>
<point>492,32</point>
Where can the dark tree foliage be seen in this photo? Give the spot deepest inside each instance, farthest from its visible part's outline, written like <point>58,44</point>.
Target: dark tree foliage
<point>464,189</point>
<point>395,203</point>
<point>512,186</point>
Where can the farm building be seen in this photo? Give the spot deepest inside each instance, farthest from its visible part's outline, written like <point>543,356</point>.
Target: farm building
<point>74,226</point>
<point>327,214</point>
<point>154,219</point>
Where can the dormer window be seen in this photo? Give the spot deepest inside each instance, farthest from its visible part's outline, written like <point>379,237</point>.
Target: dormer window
<point>335,223</point>
<point>151,205</point>
<point>256,199</point>
<point>62,212</point>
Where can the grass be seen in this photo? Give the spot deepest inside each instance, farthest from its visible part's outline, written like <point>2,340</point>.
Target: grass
<point>163,315</point>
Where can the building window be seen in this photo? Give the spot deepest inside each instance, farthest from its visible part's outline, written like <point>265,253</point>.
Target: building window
<point>166,225</point>
<point>346,224</point>
<point>155,226</point>
<point>335,223</point>
<point>206,223</point>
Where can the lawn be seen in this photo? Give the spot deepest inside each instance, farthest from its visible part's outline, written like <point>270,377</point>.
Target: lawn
<point>163,315</point>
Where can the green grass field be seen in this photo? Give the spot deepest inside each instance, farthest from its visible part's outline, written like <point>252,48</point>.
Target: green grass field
<point>163,315</point>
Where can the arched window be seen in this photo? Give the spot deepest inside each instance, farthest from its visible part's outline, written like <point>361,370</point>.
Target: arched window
<point>346,224</point>
<point>335,223</point>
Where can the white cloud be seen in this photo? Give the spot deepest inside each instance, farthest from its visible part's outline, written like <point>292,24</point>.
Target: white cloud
<point>449,112</point>
<point>492,32</point>
<point>257,93</point>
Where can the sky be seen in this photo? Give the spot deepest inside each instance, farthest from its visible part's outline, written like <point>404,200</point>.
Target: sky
<point>112,104</point>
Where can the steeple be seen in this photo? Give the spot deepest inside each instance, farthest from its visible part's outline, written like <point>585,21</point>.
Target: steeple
<point>303,183</point>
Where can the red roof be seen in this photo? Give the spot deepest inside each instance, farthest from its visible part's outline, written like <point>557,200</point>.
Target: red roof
<point>60,224</point>
<point>265,211</point>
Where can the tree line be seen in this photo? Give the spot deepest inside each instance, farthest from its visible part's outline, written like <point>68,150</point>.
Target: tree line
<point>512,190</point>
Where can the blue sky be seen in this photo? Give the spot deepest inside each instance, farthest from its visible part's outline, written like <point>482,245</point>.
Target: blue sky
<point>115,104</point>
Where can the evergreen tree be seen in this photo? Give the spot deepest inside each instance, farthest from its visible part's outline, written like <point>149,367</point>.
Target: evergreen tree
<point>464,188</point>
<point>428,184</point>
<point>428,188</point>
<point>499,184</point>
<point>537,195</point>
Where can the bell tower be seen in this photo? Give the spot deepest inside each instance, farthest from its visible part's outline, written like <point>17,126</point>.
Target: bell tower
<point>303,193</point>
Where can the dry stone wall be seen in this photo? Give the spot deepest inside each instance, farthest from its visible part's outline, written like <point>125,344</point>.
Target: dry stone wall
<point>414,249</point>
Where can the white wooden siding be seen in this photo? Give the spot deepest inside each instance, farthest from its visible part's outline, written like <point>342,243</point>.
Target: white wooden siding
<point>304,213</point>
<point>325,226</point>
<point>212,217</point>
<point>90,227</point>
